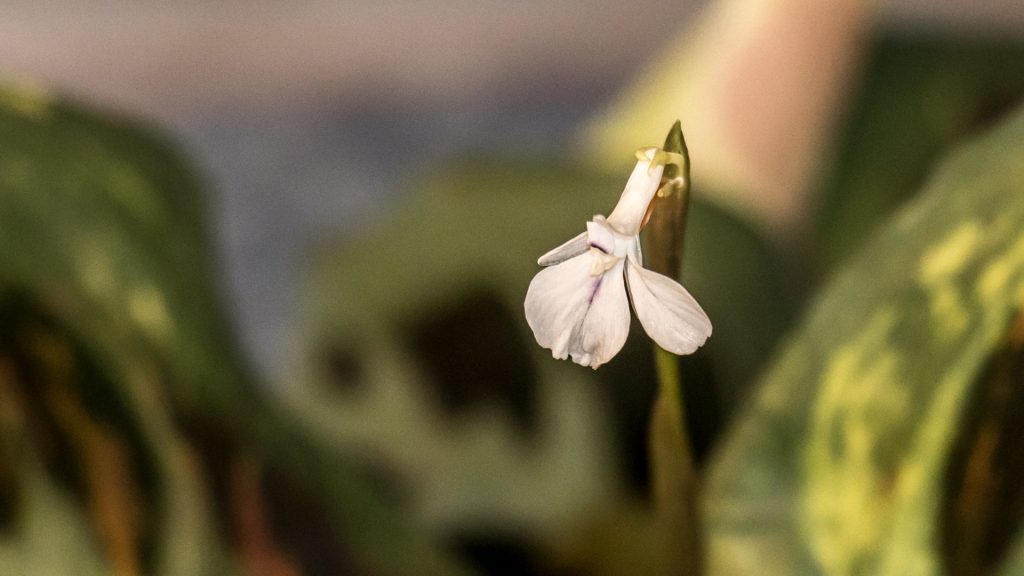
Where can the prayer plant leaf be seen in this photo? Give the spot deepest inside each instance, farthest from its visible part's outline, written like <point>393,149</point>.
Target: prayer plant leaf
<point>441,377</point>
<point>105,298</point>
<point>839,465</point>
<point>103,224</point>
<point>105,261</point>
<point>416,331</point>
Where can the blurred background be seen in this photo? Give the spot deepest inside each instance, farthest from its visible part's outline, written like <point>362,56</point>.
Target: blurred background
<point>296,115</point>
<point>265,262</point>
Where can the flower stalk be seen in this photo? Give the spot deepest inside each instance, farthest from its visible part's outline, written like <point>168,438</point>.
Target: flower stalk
<point>674,483</point>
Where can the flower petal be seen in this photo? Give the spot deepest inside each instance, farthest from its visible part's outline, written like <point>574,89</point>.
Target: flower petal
<point>574,247</point>
<point>640,189</point>
<point>579,315</point>
<point>669,315</point>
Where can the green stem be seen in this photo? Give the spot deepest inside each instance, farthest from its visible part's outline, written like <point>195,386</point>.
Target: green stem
<point>674,483</point>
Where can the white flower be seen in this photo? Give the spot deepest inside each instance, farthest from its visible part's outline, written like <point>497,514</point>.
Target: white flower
<point>578,305</point>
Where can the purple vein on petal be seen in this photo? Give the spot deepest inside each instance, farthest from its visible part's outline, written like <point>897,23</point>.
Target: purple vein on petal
<point>596,289</point>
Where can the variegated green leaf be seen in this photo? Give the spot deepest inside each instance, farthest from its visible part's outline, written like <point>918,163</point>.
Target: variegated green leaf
<point>103,223</point>
<point>838,467</point>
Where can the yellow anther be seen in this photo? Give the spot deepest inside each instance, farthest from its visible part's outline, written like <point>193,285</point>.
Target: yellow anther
<point>661,158</point>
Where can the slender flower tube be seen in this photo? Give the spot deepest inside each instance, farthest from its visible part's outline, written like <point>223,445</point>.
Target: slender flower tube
<point>578,306</point>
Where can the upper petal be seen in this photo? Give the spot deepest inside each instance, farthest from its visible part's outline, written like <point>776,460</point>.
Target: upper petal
<point>579,315</point>
<point>640,189</point>
<point>669,315</point>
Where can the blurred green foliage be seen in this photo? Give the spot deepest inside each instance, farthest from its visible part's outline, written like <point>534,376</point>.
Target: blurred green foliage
<point>125,405</point>
<point>427,314</point>
<point>106,299</point>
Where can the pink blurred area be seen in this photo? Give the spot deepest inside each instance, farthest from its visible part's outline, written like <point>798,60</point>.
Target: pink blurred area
<point>170,59</point>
